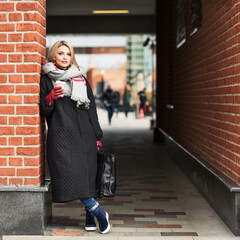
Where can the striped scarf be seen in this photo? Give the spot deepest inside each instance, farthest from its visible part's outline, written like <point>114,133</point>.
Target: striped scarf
<point>75,76</point>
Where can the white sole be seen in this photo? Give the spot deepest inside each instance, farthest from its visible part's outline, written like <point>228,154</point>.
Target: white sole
<point>90,228</point>
<point>108,227</point>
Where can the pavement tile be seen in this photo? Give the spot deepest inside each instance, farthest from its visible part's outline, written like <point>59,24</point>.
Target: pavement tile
<point>69,233</point>
<point>115,201</point>
<point>179,234</point>
<point>135,223</point>
<point>155,200</point>
<point>143,234</point>
<point>149,182</point>
<point>150,230</point>
<point>121,218</point>
<point>164,226</point>
<point>67,206</point>
<point>148,210</point>
<point>160,198</point>
<point>153,238</point>
<point>110,234</point>
<point>123,194</point>
<point>128,215</point>
<point>123,229</point>
<point>139,225</point>
<point>169,213</point>
<point>70,221</point>
<point>112,204</point>
<point>161,216</point>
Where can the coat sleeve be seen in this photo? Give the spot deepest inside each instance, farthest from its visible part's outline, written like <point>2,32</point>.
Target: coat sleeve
<point>93,114</point>
<point>45,109</point>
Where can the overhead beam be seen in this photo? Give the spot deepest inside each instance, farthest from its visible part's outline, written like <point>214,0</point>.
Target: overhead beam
<point>101,24</point>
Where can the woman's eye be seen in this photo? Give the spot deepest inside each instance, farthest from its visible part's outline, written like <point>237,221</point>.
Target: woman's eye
<point>69,54</point>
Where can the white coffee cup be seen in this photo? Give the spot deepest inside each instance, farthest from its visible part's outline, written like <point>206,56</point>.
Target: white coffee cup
<point>60,84</point>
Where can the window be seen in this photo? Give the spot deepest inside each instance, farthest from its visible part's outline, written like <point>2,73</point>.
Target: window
<point>181,22</point>
<point>196,16</point>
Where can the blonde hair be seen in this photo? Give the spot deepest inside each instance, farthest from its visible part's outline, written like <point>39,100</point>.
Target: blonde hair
<point>53,51</point>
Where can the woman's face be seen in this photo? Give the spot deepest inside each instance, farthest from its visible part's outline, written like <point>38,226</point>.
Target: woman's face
<point>63,57</point>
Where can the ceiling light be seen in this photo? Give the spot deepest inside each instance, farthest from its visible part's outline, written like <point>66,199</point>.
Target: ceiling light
<point>110,11</point>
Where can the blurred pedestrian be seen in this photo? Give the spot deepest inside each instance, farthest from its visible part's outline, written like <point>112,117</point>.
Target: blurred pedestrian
<point>108,99</point>
<point>116,104</point>
<point>74,133</point>
<point>127,99</point>
<point>143,100</point>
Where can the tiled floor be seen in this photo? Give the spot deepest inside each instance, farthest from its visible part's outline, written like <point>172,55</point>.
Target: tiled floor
<point>154,199</point>
<point>151,192</point>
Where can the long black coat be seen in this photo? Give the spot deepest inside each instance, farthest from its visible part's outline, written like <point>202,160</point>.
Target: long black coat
<point>71,144</point>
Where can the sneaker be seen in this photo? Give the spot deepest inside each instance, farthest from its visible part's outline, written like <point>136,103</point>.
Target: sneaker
<point>90,224</point>
<point>103,220</point>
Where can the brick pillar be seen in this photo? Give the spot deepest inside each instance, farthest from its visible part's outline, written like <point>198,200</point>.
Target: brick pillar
<point>22,133</point>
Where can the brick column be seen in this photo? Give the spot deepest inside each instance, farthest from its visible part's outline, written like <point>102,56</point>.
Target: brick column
<point>22,133</point>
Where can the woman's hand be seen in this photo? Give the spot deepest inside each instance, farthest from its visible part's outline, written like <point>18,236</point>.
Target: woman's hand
<point>99,145</point>
<point>54,94</point>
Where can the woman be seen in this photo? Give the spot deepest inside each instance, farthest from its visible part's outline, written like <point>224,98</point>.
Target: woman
<point>74,133</point>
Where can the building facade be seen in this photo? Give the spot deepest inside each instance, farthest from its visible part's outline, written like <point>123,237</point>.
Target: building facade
<point>139,58</point>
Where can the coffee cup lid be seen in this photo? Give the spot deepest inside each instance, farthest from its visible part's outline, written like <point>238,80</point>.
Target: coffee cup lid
<point>60,82</point>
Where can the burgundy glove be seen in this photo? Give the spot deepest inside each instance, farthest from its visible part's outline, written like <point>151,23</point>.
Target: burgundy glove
<point>99,145</point>
<point>54,94</point>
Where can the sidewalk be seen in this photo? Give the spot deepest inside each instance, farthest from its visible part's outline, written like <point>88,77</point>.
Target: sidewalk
<point>154,199</point>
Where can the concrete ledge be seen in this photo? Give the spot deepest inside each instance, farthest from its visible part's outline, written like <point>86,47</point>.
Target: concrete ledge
<point>25,210</point>
<point>43,188</point>
<point>221,192</point>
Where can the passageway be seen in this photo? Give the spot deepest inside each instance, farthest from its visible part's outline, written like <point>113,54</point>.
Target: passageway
<point>197,99</point>
<point>153,197</point>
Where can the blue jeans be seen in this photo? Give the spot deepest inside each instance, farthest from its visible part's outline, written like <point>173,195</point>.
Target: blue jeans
<point>126,108</point>
<point>90,203</point>
<point>110,110</point>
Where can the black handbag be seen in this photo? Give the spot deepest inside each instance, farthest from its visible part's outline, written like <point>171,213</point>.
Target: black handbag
<point>106,175</point>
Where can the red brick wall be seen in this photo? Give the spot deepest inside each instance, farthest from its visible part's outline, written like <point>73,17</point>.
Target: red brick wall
<point>116,78</point>
<point>94,76</point>
<point>201,81</point>
<point>22,47</point>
